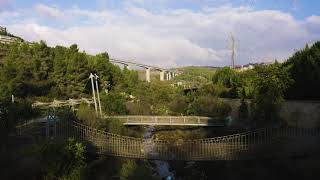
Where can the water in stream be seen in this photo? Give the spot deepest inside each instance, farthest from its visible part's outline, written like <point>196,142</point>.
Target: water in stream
<point>162,167</point>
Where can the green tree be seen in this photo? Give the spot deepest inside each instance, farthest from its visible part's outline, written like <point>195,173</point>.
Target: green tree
<point>270,84</point>
<point>229,79</point>
<point>209,106</point>
<point>113,103</point>
<point>62,161</point>
<point>87,115</point>
<point>304,67</point>
<point>133,171</point>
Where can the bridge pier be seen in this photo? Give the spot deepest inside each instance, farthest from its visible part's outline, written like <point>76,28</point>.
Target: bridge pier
<point>127,66</point>
<point>148,75</point>
<point>161,75</point>
<point>169,76</point>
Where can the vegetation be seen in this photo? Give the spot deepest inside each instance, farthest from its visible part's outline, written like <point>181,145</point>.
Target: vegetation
<point>270,84</point>
<point>304,69</point>
<point>196,74</point>
<point>10,115</point>
<point>119,168</point>
<point>61,161</point>
<point>38,72</point>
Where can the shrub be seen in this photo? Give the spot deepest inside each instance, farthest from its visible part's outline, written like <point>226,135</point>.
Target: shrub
<point>88,116</point>
<point>209,106</point>
<point>62,161</point>
<point>113,103</point>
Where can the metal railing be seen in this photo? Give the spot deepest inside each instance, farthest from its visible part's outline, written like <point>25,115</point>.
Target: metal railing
<point>169,120</point>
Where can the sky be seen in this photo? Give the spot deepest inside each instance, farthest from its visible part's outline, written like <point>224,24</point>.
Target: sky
<point>169,33</point>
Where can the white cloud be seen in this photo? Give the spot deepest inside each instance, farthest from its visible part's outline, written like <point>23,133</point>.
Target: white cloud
<point>51,12</point>
<point>4,4</point>
<point>176,37</point>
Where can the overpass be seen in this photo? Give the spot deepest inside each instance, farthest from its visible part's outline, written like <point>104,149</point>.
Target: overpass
<point>165,74</point>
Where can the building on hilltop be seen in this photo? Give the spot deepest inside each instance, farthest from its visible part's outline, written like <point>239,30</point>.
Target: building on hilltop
<point>3,29</point>
<point>252,65</point>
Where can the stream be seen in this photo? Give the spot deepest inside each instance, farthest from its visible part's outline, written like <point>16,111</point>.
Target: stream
<point>162,167</point>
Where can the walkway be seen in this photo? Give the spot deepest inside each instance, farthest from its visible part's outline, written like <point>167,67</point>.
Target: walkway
<point>169,120</point>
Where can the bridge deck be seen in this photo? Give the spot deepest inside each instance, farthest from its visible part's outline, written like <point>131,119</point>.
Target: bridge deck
<point>169,120</point>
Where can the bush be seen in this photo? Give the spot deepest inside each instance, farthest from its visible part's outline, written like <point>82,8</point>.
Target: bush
<point>62,161</point>
<point>114,103</point>
<point>87,115</point>
<point>209,106</point>
<point>133,171</point>
<point>270,83</point>
<point>115,126</point>
<point>138,108</point>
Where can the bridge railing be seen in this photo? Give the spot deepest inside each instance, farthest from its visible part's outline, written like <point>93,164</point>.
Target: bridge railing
<point>169,120</point>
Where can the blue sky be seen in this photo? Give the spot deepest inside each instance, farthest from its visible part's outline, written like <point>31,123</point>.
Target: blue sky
<point>298,8</point>
<point>170,32</point>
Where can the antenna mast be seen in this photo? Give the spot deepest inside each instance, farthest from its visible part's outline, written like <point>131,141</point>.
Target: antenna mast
<point>233,55</point>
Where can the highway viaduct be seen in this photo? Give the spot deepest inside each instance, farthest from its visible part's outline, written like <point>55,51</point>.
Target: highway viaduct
<point>165,74</point>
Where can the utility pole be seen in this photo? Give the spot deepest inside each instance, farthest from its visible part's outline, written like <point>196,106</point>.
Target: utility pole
<point>94,96</point>
<point>233,55</point>
<point>98,95</point>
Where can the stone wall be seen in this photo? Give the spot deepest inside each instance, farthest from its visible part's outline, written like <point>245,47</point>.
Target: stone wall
<point>294,112</point>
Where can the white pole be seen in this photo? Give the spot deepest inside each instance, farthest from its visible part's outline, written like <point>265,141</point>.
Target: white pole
<point>94,96</point>
<point>98,95</point>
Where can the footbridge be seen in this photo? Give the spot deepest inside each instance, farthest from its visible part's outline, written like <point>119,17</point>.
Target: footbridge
<point>169,120</point>
<point>259,143</point>
<point>140,120</point>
